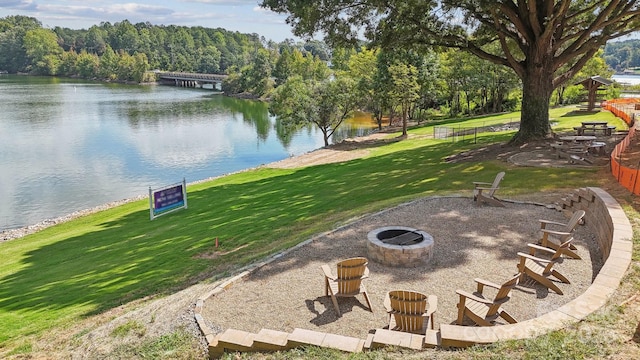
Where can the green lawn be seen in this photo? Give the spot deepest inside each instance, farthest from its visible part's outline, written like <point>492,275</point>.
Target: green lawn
<point>81,268</point>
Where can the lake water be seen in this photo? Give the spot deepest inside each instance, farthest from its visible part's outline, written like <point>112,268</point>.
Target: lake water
<point>70,145</point>
<point>627,79</point>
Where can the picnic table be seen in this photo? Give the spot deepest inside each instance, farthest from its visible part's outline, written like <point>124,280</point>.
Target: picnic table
<point>574,148</point>
<point>593,127</point>
<point>585,141</point>
<point>577,138</point>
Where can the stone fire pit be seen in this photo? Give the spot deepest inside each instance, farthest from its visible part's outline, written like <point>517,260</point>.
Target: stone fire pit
<point>399,246</point>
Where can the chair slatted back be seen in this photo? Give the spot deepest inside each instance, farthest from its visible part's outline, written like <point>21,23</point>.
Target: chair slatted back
<point>408,309</point>
<point>502,295</point>
<point>350,274</point>
<point>574,220</point>
<point>496,184</point>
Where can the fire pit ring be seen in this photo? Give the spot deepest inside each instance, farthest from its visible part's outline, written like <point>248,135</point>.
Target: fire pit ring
<point>399,246</point>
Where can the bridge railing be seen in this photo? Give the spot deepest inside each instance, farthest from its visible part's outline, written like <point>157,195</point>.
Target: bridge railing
<point>191,76</point>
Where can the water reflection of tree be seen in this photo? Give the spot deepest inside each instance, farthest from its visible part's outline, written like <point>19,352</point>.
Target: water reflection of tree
<point>254,113</point>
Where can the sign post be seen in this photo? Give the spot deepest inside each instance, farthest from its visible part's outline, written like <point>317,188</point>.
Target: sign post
<point>167,199</point>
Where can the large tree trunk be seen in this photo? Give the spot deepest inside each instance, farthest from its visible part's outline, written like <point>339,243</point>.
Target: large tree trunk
<point>537,87</point>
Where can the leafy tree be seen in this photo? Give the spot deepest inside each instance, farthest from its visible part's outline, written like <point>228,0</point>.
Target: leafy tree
<point>41,44</point>
<point>13,56</point>
<point>340,57</point>
<point>140,67</point>
<point>87,64</point>
<point>108,64</point>
<point>124,36</point>
<point>68,63</point>
<point>208,60</point>
<point>405,89</point>
<point>283,68</point>
<point>317,48</point>
<point>536,37</point>
<point>259,82</point>
<point>233,84</point>
<point>619,54</point>
<point>94,40</point>
<point>326,104</point>
<point>361,68</point>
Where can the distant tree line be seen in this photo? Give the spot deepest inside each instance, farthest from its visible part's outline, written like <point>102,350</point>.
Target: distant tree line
<point>120,51</point>
<point>623,55</point>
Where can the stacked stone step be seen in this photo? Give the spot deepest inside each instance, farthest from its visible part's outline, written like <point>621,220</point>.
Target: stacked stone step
<point>384,337</point>
<point>271,340</point>
<point>577,200</point>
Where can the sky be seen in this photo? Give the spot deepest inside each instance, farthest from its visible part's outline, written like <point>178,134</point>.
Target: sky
<point>244,16</point>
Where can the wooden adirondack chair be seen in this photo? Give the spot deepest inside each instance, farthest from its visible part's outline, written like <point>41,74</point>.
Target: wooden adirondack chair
<point>483,311</point>
<point>564,233</point>
<point>410,311</point>
<point>348,281</point>
<point>541,269</point>
<point>485,192</point>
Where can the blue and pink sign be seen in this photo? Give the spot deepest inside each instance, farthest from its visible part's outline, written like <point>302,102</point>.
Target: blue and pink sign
<point>167,199</point>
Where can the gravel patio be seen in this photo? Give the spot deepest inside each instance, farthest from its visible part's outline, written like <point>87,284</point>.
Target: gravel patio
<point>470,242</point>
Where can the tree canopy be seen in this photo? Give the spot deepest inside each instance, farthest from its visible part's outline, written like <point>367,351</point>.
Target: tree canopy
<point>534,38</point>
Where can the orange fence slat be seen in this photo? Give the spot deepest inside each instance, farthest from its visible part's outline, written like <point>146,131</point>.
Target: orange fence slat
<point>627,177</point>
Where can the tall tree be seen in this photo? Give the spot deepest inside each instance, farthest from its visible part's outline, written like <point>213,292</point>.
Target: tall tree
<point>40,45</point>
<point>536,37</point>
<point>405,90</point>
<point>13,56</point>
<point>326,104</point>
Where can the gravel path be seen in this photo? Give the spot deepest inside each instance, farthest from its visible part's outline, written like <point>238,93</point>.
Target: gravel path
<point>470,242</point>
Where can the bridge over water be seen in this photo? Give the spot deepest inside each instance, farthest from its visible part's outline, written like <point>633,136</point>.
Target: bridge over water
<point>193,80</point>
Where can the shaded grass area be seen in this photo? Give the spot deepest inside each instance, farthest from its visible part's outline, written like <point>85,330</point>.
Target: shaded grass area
<point>84,267</point>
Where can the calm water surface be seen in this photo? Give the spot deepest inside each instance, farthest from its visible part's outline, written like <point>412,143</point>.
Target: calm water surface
<point>626,79</point>
<point>68,145</point>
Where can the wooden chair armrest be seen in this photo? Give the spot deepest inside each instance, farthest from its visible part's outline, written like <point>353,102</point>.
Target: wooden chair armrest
<point>487,188</point>
<point>433,304</point>
<point>387,303</point>
<point>523,255</point>
<point>481,183</point>
<point>553,232</point>
<point>327,272</point>
<point>468,295</point>
<point>366,273</point>
<point>487,283</point>
<point>550,222</point>
<point>541,248</point>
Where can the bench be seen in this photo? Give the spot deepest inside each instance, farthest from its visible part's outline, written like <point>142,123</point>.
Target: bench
<point>573,152</point>
<point>597,148</point>
<point>607,130</point>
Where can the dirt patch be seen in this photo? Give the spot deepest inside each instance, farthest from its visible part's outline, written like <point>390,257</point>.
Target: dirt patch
<point>346,150</point>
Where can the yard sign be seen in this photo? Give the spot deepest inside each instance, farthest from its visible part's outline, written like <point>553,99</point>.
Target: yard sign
<point>167,199</point>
